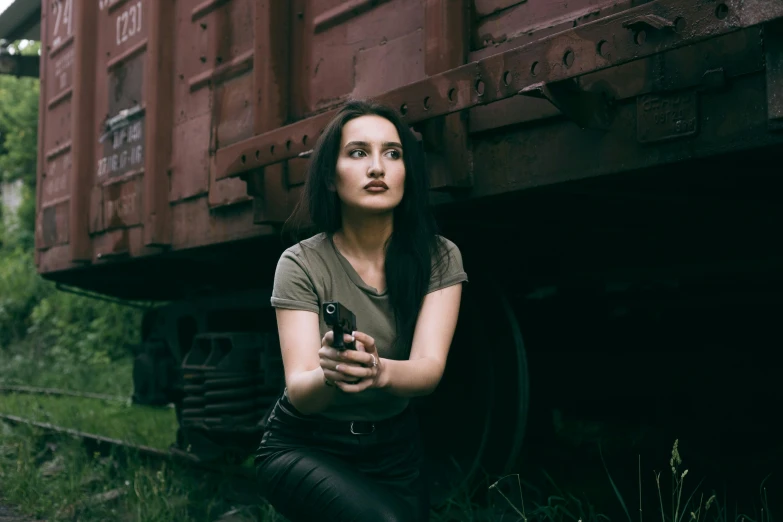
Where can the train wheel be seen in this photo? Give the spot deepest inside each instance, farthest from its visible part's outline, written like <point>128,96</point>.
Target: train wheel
<point>475,421</point>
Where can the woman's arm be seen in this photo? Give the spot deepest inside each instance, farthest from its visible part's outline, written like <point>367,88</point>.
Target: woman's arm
<point>422,372</point>
<point>300,339</point>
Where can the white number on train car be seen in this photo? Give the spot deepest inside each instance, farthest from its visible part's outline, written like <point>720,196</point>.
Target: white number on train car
<point>128,23</point>
<point>63,20</point>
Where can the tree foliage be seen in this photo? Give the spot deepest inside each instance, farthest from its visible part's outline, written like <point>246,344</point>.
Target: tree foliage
<point>73,330</point>
<point>19,124</point>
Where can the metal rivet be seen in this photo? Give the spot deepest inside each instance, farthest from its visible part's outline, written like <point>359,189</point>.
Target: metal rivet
<point>722,11</point>
<point>272,149</point>
<point>480,87</point>
<point>258,154</point>
<point>507,77</point>
<point>304,139</point>
<point>243,159</point>
<point>426,103</point>
<point>534,68</point>
<point>404,109</point>
<point>603,48</point>
<point>640,37</point>
<point>288,144</point>
<point>452,92</point>
<point>568,58</point>
<point>680,24</point>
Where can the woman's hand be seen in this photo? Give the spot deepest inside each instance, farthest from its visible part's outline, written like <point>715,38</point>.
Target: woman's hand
<point>335,366</point>
<point>365,354</point>
<point>344,367</point>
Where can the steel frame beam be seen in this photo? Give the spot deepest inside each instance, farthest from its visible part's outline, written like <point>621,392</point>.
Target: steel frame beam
<point>625,37</point>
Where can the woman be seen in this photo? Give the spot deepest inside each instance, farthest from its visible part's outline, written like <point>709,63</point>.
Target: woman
<point>335,448</point>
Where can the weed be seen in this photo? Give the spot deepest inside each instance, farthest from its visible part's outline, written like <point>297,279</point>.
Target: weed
<point>563,507</point>
<point>57,480</point>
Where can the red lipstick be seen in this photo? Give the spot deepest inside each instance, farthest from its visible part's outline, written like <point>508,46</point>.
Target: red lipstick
<point>376,186</point>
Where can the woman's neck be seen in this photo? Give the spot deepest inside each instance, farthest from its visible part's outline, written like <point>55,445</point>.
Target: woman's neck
<point>365,237</point>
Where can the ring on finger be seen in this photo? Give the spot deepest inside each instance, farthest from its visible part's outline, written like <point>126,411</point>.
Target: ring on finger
<point>374,361</point>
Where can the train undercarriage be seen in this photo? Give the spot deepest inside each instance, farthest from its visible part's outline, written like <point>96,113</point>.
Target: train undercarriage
<point>610,298</point>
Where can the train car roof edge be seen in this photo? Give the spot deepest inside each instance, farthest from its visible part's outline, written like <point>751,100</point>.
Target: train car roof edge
<point>21,20</point>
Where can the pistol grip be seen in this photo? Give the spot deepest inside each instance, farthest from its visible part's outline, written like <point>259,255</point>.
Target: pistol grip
<point>338,342</point>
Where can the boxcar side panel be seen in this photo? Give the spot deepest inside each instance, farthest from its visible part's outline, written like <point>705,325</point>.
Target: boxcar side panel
<point>344,45</point>
<point>193,57</point>
<point>123,119</point>
<point>162,135</point>
<point>55,177</point>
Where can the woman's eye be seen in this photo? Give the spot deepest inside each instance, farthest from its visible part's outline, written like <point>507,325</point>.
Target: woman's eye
<point>356,153</point>
<point>395,154</point>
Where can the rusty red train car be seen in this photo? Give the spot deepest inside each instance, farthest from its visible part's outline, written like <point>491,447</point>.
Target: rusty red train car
<point>174,135</point>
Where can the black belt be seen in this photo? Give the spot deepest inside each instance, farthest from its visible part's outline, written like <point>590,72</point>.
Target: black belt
<point>358,427</point>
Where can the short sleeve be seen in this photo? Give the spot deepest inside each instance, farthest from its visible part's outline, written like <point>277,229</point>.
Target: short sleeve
<point>293,287</point>
<point>447,271</point>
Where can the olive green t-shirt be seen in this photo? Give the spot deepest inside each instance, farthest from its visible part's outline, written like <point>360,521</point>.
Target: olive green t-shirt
<point>313,271</point>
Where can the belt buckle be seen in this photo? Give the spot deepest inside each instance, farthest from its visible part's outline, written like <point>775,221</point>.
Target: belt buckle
<point>361,433</point>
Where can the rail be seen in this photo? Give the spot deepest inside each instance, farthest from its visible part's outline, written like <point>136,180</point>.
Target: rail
<point>56,392</point>
<point>103,445</point>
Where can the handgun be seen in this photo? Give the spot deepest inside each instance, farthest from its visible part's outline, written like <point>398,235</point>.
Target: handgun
<point>342,321</point>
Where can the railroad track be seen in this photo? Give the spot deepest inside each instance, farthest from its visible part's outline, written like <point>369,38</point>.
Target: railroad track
<point>99,442</point>
<point>104,445</point>
<point>241,479</point>
<point>243,489</point>
<point>56,392</point>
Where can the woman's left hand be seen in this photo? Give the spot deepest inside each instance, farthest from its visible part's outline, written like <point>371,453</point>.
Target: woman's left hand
<point>367,354</point>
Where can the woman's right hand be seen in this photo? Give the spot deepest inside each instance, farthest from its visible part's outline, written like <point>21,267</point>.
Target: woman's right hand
<point>335,366</point>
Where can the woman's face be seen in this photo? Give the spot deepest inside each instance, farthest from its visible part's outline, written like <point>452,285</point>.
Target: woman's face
<point>370,170</point>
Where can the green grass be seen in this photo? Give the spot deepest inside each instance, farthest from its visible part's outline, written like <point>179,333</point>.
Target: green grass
<point>55,479</point>
<point>156,427</point>
<point>29,363</point>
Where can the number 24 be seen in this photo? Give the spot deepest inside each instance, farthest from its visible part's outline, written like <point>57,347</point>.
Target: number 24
<point>63,11</point>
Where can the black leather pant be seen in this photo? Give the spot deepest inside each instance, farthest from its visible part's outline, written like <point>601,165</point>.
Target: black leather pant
<point>312,469</point>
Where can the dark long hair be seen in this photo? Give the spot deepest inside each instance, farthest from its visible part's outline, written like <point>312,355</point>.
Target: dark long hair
<point>413,251</point>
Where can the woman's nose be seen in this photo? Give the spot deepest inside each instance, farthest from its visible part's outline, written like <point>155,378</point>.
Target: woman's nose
<point>376,168</point>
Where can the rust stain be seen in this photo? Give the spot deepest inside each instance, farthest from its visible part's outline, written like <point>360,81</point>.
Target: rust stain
<point>122,203</point>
